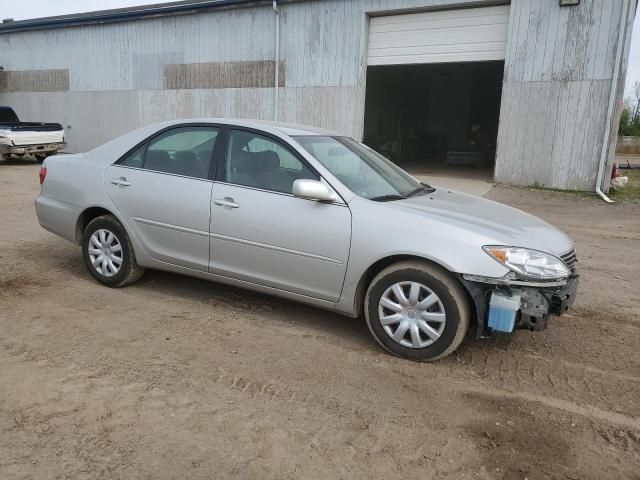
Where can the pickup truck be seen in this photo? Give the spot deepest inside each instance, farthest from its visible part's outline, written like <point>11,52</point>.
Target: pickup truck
<point>22,138</point>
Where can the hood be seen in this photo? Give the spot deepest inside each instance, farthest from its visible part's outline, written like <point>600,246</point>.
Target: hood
<point>498,223</point>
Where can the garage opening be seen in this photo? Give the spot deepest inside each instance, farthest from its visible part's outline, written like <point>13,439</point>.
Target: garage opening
<point>434,85</point>
<point>436,118</point>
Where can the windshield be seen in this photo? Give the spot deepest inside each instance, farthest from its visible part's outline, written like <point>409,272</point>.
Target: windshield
<point>363,171</point>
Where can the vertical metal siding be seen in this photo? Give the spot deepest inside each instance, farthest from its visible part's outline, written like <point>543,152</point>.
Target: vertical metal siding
<point>117,70</point>
<point>555,95</point>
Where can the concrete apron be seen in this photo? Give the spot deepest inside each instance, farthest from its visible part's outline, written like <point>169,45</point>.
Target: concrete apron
<point>474,186</point>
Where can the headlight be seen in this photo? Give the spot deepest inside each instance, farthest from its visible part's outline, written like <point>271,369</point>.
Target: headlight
<point>529,263</point>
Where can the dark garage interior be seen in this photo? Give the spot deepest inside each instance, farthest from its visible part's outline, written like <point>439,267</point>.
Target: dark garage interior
<point>435,117</point>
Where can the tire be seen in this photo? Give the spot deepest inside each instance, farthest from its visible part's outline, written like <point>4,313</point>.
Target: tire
<point>93,247</point>
<point>444,333</point>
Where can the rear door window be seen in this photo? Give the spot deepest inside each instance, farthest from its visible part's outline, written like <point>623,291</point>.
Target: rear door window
<point>183,151</point>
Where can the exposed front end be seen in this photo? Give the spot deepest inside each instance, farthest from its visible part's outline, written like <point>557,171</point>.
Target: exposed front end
<point>525,298</point>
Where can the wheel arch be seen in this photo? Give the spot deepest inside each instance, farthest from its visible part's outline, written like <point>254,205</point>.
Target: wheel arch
<point>86,217</point>
<point>379,265</point>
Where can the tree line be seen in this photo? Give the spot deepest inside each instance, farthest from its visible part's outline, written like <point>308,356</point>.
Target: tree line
<point>630,117</point>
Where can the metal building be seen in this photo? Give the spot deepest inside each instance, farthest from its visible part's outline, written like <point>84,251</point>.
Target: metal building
<point>533,87</point>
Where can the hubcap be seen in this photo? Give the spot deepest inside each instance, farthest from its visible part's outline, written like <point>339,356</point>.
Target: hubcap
<point>411,314</point>
<point>105,252</point>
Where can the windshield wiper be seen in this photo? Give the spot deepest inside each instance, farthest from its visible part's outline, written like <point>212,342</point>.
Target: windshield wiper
<point>423,190</point>
<point>388,198</point>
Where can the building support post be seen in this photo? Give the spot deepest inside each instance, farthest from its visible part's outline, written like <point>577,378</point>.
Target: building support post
<point>626,6</point>
<point>277,65</point>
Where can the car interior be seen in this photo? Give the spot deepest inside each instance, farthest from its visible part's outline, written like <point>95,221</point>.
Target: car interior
<point>180,162</point>
<point>258,162</point>
<point>252,160</point>
<point>181,152</point>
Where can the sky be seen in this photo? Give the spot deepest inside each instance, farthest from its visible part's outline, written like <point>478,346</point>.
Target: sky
<point>633,73</point>
<point>24,9</point>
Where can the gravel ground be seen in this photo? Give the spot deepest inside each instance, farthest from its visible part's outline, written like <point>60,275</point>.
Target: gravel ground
<point>179,378</point>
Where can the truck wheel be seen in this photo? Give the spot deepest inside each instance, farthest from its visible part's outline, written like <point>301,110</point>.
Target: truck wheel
<point>108,253</point>
<point>417,311</point>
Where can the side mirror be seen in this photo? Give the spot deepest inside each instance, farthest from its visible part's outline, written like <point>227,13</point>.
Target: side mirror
<point>313,190</point>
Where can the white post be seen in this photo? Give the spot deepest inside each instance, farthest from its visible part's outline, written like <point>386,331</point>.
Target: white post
<point>277,66</point>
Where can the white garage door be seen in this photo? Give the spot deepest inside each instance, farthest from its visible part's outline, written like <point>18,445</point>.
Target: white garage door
<point>463,35</point>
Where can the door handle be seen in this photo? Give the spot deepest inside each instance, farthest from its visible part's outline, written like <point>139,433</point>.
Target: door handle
<point>122,182</point>
<point>226,202</point>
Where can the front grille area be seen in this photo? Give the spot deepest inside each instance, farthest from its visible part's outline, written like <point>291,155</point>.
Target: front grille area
<point>570,259</point>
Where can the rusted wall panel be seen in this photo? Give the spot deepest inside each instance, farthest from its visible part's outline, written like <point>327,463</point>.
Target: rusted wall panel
<point>251,74</point>
<point>34,81</point>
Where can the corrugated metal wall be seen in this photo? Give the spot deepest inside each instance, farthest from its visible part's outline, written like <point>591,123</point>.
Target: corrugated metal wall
<point>116,70</point>
<point>558,70</point>
<point>557,82</point>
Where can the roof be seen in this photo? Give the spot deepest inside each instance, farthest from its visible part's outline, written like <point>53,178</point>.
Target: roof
<point>129,13</point>
<point>119,146</point>
<point>290,129</point>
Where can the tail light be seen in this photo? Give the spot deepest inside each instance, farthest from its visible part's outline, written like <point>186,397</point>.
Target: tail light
<point>42,174</point>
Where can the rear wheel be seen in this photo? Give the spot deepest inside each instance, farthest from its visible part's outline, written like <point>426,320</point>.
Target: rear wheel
<point>417,311</point>
<point>108,253</point>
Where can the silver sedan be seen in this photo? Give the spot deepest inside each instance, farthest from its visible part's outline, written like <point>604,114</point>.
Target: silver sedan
<point>312,216</point>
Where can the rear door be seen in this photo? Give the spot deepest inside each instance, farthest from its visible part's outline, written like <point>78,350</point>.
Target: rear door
<point>261,233</point>
<point>163,191</point>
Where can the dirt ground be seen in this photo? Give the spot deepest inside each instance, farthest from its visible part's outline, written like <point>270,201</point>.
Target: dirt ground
<point>177,378</point>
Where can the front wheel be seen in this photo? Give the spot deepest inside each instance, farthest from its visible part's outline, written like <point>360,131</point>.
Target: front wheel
<point>417,311</point>
<point>108,253</point>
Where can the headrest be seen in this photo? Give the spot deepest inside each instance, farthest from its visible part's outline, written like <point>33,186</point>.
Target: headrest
<point>185,156</point>
<point>256,162</point>
<point>267,161</point>
<point>157,160</point>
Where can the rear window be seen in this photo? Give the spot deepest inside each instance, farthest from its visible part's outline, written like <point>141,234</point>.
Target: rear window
<point>7,115</point>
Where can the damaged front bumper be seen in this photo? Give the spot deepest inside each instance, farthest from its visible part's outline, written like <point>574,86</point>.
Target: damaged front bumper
<point>505,305</point>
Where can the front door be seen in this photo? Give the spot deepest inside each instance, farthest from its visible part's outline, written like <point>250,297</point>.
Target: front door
<point>261,233</point>
<point>163,192</point>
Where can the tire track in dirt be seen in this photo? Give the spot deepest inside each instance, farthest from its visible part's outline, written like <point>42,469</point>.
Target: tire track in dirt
<point>587,411</point>
<point>579,384</point>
